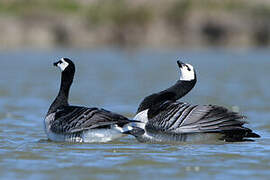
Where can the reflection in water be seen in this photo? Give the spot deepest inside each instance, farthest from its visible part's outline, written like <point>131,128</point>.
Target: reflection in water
<point>118,80</point>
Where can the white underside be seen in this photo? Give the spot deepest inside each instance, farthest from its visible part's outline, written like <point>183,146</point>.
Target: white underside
<point>101,135</point>
<point>88,136</point>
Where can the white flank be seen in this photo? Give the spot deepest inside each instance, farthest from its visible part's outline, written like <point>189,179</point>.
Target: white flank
<point>63,65</point>
<point>101,135</point>
<point>187,73</point>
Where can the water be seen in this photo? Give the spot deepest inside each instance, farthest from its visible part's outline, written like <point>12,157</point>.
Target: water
<point>117,80</point>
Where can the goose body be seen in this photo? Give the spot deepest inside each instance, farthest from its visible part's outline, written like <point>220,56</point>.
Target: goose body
<point>164,119</point>
<point>81,124</point>
<point>65,123</point>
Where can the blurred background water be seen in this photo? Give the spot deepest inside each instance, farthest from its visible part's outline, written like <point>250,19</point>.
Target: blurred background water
<point>125,50</point>
<point>118,80</point>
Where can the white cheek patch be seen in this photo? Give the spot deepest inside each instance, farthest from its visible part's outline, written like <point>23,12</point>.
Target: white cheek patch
<point>63,65</point>
<point>187,75</point>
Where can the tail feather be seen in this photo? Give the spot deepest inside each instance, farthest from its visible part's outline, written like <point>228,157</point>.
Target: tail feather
<point>133,128</point>
<point>253,135</point>
<point>234,134</point>
<point>135,131</point>
<point>220,120</point>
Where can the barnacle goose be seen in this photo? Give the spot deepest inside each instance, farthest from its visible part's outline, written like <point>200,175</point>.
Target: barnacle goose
<point>167,120</point>
<point>81,124</point>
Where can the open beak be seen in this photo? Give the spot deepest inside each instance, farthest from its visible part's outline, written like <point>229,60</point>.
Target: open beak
<point>180,64</point>
<point>56,63</point>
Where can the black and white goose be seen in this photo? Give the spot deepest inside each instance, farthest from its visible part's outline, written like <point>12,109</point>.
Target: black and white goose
<point>80,124</point>
<point>167,120</point>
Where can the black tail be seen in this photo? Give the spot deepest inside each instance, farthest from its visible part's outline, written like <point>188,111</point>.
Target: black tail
<point>241,134</point>
<point>135,131</point>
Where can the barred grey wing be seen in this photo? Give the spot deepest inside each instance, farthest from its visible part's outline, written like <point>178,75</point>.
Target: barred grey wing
<point>71,119</point>
<point>185,118</point>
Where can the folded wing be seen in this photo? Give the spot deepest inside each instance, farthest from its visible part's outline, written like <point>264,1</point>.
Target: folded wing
<point>71,119</point>
<point>177,117</point>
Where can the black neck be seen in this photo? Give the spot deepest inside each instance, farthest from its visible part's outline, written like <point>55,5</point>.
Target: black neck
<point>173,93</point>
<point>63,94</point>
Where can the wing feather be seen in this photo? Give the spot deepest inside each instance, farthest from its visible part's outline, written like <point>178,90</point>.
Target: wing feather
<point>71,119</point>
<point>180,117</point>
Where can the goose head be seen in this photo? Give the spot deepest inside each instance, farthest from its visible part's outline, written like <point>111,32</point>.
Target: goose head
<point>65,65</point>
<point>187,72</point>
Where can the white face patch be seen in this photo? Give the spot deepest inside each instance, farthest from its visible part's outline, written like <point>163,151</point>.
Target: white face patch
<point>63,65</point>
<point>187,73</point>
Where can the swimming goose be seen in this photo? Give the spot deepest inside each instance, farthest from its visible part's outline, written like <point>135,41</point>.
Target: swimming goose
<point>167,120</point>
<point>68,123</point>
